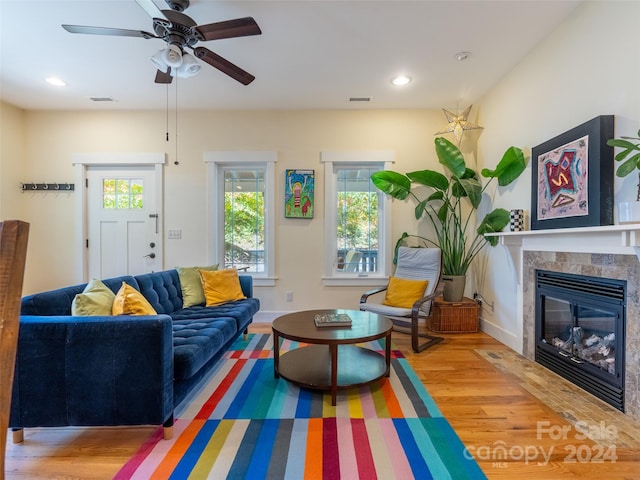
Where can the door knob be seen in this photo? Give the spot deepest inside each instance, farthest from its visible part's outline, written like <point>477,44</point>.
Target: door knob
<point>151,255</point>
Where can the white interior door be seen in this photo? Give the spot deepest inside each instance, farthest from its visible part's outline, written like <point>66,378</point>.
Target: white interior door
<point>124,234</point>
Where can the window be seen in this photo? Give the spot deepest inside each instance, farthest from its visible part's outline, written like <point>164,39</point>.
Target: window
<point>357,219</point>
<point>241,222</point>
<point>123,193</point>
<point>244,218</point>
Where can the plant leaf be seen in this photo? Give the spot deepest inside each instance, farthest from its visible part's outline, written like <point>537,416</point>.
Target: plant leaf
<point>450,156</point>
<point>509,168</point>
<point>622,155</point>
<point>472,189</point>
<point>628,166</point>
<point>493,222</point>
<point>457,190</point>
<point>618,142</point>
<point>398,243</point>
<point>437,195</point>
<point>469,173</point>
<point>429,178</point>
<point>420,208</point>
<point>442,213</point>
<point>393,183</point>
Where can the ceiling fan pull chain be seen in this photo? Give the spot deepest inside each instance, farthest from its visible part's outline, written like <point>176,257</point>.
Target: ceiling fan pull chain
<point>175,162</point>
<point>167,113</point>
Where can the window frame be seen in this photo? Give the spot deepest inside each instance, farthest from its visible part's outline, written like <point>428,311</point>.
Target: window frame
<point>217,162</point>
<point>357,159</point>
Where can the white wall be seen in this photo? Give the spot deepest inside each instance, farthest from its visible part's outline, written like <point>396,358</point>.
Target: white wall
<point>297,136</point>
<point>590,66</point>
<point>12,151</point>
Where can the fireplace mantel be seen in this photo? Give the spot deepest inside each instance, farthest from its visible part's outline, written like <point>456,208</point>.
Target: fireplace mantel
<point>613,239</point>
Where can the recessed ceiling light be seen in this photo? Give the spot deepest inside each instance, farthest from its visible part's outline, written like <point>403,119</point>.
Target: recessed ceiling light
<point>461,56</point>
<point>55,81</point>
<point>401,80</point>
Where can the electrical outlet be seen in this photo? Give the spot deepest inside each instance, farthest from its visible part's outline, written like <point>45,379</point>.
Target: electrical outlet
<point>288,296</point>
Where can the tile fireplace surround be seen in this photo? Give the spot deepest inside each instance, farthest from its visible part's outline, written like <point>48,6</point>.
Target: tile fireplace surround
<point>609,252</point>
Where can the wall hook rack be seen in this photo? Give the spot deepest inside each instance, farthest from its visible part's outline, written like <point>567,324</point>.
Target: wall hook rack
<point>56,187</point>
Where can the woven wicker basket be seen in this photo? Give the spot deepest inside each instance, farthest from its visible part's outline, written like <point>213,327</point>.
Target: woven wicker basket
<point>454,317</point>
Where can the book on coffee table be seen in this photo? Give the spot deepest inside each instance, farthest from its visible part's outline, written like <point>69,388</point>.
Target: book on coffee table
<point>332,320</point>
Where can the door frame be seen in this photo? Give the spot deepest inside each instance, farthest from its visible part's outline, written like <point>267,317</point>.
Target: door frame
<point>81,163</point>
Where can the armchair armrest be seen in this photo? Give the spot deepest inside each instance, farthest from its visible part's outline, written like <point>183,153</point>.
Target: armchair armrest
<point>367,294</point>
<point>417,306</point>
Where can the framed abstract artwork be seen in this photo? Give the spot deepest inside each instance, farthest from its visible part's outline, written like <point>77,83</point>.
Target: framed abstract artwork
<point>572,178</point>
<point>298,196</point>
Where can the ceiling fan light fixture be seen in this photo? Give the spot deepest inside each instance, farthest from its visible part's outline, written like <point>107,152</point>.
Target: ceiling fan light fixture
<point>189,67</point>
<point>158,61</point>
<point>172,56</point>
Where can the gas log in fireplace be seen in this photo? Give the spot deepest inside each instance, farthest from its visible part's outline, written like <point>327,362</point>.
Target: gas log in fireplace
<point>580,325</point>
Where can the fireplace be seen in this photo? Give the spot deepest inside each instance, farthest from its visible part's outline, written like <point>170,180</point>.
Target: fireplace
<point>580,331</point>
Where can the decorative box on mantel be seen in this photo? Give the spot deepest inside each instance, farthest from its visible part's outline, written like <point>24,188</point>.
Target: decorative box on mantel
<point>454,317</point>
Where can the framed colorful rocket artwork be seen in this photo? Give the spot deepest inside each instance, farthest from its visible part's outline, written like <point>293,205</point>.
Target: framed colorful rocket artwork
<point>298,196</point>
<point>572,178</point>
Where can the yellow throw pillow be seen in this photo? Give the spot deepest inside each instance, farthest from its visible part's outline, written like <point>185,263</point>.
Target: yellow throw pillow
<point>129,301</point>
<point>221,286</point>
<point>95,300</point>
<point>403,293</point>
<point>191,284</point>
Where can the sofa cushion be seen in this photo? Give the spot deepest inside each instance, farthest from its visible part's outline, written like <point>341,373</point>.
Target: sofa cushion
<point>58,302</point>
<point>191,283</point>
<point>95,299</point>
<point>195,342</point>
<point>162,290</point>
<point>129,301</point>
<point>221,286</point>
<point>242,311</point>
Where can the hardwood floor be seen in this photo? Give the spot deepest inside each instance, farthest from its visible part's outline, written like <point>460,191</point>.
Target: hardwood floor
<point>511,433</point>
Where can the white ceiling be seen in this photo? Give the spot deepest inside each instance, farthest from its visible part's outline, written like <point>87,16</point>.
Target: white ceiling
<point>312,54</point>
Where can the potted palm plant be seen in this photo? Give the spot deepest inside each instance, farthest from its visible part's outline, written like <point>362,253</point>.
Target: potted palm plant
<point>450,205</point>
<point>629,156</point>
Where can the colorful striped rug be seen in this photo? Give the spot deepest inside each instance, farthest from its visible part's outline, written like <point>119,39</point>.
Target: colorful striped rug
<point>242,423</point>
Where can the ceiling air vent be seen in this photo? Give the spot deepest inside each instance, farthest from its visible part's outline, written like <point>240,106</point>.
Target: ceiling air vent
<point>359,99</point>
<point>101,99</point>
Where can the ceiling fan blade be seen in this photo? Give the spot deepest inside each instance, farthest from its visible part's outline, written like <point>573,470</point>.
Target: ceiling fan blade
<point>224,65</point>
<point>240,27</point>
<point>164,77</point>
<point>153,11</point>
<point>119,32</point>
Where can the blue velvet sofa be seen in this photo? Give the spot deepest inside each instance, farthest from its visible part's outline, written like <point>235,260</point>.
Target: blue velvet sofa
<point>118,370</point>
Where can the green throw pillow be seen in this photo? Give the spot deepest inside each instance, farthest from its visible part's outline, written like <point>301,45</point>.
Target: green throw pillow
<point>95,300</point>
<point>191,284</point>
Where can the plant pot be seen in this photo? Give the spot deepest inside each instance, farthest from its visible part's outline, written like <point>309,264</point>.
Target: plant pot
<point>453,287</point>
<point>628,212</point>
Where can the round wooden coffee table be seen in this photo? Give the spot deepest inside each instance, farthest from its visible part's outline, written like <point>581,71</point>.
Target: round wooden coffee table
<point>316,365</point>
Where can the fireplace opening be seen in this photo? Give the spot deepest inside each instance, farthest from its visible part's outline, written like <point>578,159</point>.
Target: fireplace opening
<point>580,330</point>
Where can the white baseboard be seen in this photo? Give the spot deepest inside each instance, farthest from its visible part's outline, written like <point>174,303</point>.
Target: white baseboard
<point>502,335</point>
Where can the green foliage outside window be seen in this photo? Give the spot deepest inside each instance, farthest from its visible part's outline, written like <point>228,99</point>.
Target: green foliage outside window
<point>357,222</point>
<point>122,193</point>
<point>243,225</point>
